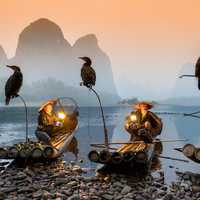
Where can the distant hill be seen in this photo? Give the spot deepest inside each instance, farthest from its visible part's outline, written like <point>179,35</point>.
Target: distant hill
<point>44,54</point>
<point>182,101</point>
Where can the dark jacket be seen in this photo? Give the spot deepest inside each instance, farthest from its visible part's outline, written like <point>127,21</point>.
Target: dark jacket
<point>156,125</point>
<point>46,123</point>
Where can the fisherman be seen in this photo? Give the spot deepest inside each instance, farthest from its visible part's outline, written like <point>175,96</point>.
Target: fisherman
<point>53,127</point>
<point>143,124</point>
<point>46,122</point>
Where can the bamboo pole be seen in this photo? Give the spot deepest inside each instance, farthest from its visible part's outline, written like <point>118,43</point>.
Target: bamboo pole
<point>138,142</point>
<point>171,158</point>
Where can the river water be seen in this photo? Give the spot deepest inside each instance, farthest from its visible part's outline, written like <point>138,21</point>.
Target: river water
<point>12,130</point>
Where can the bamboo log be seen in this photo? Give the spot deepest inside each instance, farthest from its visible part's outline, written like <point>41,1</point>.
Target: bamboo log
<point>48,152</point>
<point>128,156</point>
<point>3,153</point>
<point>197,154</point>
<point>13,152</point>
<point>37,153</point>
<point>189,150</point>
<point>25,151</point>
<point>104,156</point>
<point>141,157</point>
<point>116,158</point>
<point>93,156</point>
<point>136,142</point>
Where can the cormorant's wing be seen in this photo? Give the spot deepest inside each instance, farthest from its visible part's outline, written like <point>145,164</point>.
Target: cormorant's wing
<point>88,75</point>
<point>197,68</point>
<point>13,84</point>
<point>91,75</point>
<point>8,86</point>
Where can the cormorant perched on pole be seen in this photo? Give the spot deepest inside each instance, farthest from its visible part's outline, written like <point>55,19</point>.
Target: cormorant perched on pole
<point>88,74</point>
<point>13,84</point>
<point>197,73</point>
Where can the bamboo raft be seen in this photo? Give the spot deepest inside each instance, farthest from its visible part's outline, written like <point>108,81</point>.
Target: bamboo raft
<point>191,152</point>
<point>130,158</point>
<point>30,150</point>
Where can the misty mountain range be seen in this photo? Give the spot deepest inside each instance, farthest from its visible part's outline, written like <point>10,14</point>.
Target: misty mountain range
<point>51,66</point>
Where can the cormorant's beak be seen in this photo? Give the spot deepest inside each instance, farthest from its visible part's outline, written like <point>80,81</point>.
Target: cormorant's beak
<point>10,66</point>
<point>80,58</point>
<point>13,67</point>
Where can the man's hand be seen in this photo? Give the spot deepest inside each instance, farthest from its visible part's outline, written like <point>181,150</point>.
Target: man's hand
<point>58,123</point>
<point>132,126</point>
<point>147,125</point>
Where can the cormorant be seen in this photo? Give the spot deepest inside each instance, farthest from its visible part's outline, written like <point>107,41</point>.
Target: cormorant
<point>13,84</point>
<point>88,74</point>
<point>197,71</point>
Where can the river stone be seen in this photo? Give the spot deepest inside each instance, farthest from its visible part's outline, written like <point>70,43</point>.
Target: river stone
<point>126,190</point>
<point>118,197</point>
<point>60,181</point>
<point>196,188</point>
<point>9,189</point>
<point>37,194</point>
<point>77,168</point>
<point>25,189</point>
<point>72,184</point>
<point>107,196</point>
<point>74,197</point>
<point>168,196</point>
<point>118,184</point>
<point>19,176</point>
<point>2,195</point>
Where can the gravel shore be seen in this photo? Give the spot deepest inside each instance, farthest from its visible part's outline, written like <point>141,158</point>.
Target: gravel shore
<point>66,181</point>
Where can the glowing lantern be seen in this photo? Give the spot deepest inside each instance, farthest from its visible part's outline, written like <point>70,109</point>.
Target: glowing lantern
<point>61,115</point>
<point>133,118</point>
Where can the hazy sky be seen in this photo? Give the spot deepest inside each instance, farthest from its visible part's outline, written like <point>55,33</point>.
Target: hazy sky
<point>147,40</point>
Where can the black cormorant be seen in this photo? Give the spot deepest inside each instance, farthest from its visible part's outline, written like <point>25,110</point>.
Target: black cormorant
<point>197,71</point>
<point>88,74</point>
<point>13,84</point>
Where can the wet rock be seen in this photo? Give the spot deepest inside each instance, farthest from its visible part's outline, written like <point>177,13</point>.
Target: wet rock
<point>74,197</point>
<point>168,196</point>
<point>60,181</point>
<point>126,190</point>
<point>2,195</point>
<point>25,189</point>
<point>89,179</point>
<point>196,188</point>
<point>37,194</point>
<point>72,184</point>
<point>19,176</point>
<point>118,184</point>
<point>77,169</point>
<point>46,195</point>
<point>8,190</point>
<point>107,196</point>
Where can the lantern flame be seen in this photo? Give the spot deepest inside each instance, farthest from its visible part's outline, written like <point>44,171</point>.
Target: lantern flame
<point>61,115</point>
<point>133,118</point>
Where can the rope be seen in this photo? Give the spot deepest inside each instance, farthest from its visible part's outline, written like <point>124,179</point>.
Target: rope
<point>103,118</point>
<point>88,124</point>
<point>26,112</point>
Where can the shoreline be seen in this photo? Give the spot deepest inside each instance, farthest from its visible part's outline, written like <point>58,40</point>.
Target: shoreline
<point>69,181</point>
